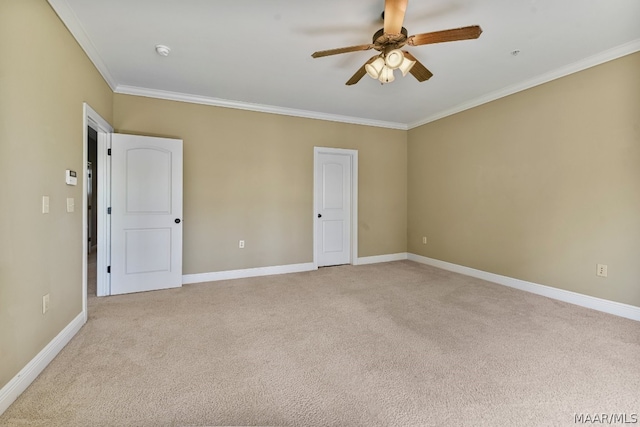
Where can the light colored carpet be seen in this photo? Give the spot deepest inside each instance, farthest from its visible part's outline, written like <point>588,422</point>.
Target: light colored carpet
<point>394,344</point>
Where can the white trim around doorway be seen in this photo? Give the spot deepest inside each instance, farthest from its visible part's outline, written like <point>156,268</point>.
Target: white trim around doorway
<point>92,119</point>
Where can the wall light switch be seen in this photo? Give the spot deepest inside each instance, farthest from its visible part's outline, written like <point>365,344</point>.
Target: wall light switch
<point>71,205</point>
<point>45,204</point>
<point>45,303</point>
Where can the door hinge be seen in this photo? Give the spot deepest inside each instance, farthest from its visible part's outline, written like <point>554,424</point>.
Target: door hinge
<point>108,151</point>
<point>108,211</point>
<point>109,269</point>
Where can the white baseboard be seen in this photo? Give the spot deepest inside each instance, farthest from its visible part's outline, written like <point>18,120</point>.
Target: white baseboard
<point>381,258</point>
<point>248,272</point>
<point>10,392</point>
<point>606,306</point>
<point>278,269</point>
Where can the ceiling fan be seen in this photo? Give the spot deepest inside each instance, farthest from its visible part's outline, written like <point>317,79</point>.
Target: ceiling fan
<point>390,40</point>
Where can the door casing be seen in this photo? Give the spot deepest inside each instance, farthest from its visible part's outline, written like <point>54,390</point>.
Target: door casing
<point>92,119</point>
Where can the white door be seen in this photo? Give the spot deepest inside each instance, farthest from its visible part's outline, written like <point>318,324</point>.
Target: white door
<point>146,213</point>
<point>333,206</point>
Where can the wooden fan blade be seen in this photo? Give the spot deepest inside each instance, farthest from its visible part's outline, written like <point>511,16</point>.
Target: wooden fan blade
<point>361,72</point>
<point>322,53</point>
<point>394,11</point>
<point>418,70</point>
<point>464,33</point>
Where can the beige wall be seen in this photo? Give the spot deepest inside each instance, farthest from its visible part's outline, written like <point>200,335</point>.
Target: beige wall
<point>249,175</point>
<point>44,79</point>
<point>541,185</point>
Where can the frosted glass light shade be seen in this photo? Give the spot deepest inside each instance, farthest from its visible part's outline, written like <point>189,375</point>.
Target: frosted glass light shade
<point>375,68</point>
<point>386,75</point>
<point>406,66</point>
<point>394,59</point>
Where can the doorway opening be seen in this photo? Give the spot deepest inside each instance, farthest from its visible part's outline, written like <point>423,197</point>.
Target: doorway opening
<point>95,196</point>
<point>92,212</point>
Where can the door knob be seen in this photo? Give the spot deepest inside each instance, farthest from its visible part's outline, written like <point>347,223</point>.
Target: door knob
<point>319,215</point>
<point>177,220</point>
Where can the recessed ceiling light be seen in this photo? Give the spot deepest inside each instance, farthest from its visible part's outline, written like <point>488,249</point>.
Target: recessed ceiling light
<point>162,50</point>
<point>515,52</point>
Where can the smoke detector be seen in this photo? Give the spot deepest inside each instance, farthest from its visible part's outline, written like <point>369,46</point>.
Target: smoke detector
<point>162,50</point>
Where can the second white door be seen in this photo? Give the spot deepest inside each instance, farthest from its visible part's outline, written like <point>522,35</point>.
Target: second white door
<point>333,195</point>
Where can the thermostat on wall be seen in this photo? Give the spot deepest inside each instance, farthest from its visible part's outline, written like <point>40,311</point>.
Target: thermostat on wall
<point>71,178</point>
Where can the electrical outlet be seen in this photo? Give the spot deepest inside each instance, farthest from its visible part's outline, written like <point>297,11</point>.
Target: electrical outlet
<point>45,303</point>
<point>601,270</point>
<point>424,240</point>
<point>241,244</point>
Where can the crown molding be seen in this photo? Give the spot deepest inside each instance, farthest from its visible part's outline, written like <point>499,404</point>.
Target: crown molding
<point>261,108</point>
<point>591,61</point>
<point>73,24</point>
<point>69,18</point>
<point>71,21</point>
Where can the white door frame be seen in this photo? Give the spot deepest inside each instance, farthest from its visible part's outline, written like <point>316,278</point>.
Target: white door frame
<point>94,120</point>
<point>353,238</point>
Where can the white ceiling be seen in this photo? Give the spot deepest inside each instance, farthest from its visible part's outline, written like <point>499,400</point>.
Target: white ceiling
<point>256,54</point>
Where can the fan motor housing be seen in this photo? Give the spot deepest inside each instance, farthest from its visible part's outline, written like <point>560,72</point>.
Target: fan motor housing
<point>385,42</point>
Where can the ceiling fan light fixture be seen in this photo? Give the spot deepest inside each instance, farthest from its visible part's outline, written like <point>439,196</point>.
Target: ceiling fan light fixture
<point>394,58</point>
<point>386,75</point>
<point>390,39</point>
<point>406,66</point>
<point>375,68</point>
